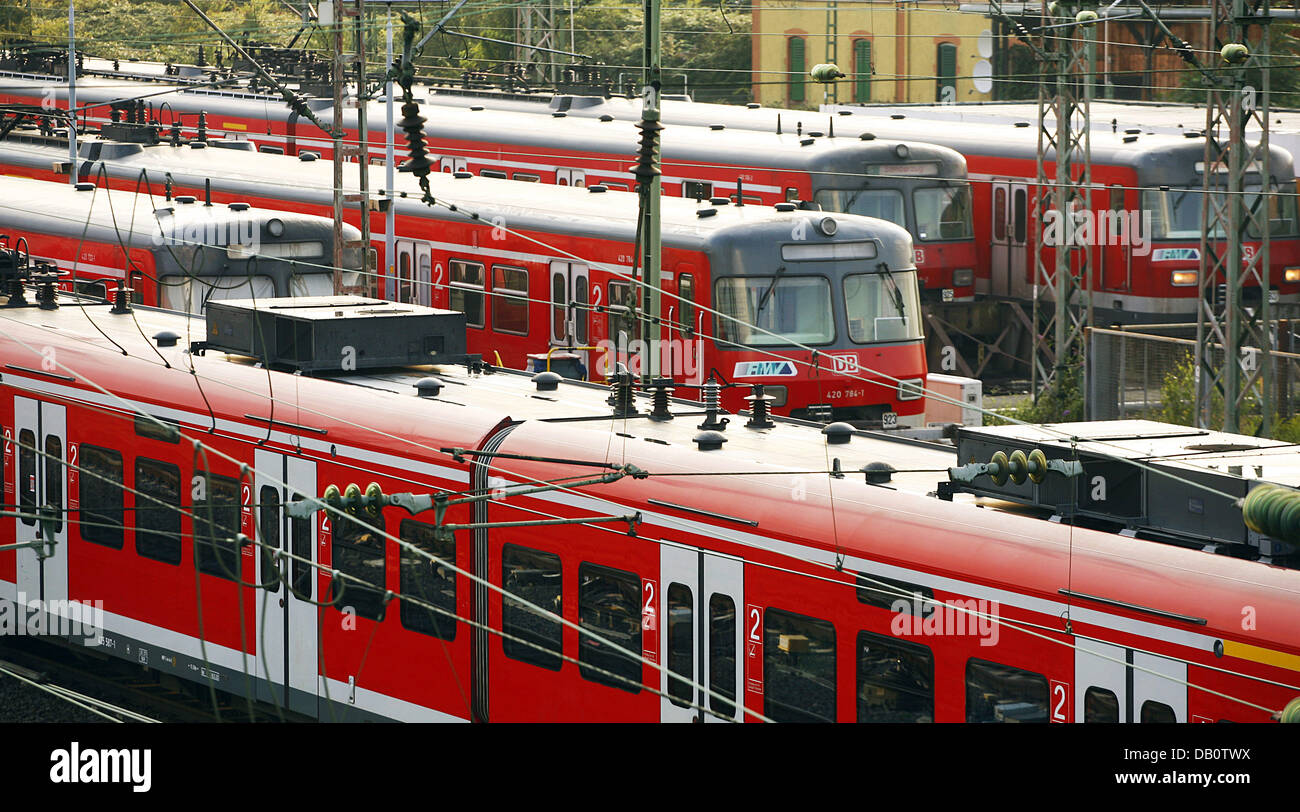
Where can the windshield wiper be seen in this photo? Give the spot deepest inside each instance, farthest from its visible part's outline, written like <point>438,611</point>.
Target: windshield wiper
<point>762,302</point>
<point>898,293</point>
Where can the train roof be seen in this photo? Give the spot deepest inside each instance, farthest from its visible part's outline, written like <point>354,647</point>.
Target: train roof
<point>765,488</point>
<point>555,209</point>
<point>138,221</point>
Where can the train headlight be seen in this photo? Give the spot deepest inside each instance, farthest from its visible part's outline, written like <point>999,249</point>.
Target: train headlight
<point>275,227</point>
<point>962,277</point>
<point>828,226</point>
<point>1291,275</point>
<point>1182,279</point>
<point>780,394</point>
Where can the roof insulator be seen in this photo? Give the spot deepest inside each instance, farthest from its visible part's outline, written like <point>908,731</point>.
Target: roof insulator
<point>547,381</point>
<point>710,440</point>
<point>878,473</point>
<point>838,433</point>
<point>429,387</point>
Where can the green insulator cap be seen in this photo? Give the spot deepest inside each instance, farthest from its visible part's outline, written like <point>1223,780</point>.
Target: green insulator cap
<point>1234,53</point>
<point>998,462</point>
<point>1086,17</point>
<point>1291,713</point>
<point>332,494</point>
<point>826,72</point>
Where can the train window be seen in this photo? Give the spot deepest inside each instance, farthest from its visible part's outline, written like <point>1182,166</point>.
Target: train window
<point>316,284</point>
<point>54,478</point>
<point>609,604</point>
<point>885,204</point>
<point>1100,705</point>
<point>300,536</point>
<point>101,496</point>
<point>618,187</point>
<point>158,510</point>
<point>510,310</point>
<point>1000,693</point>
<point>798,668</point>
<point>943,213</point>
<point>787,308</point>
<point>428,581</point>
<point>467,290</point>
<point>405,287</point>
<point>157,428</point>
<point>681,644</point>
<point>358,549</point>
<point>895,680</point>
<point>1153,711</point>
<point>1019,214</point>
<point>525,177</point>
<point>894,595</point>
<point>620,313</point>
<point>686,290</point>
<point>1116,201</point>
<point>999,213</point>
<point>268,523</point>
<point>97,289</point>
<point>791,194</point>
<point>216,523</point>
<point>559,307</point>
<point>492,173</point>
<point>722,654</point>
<point>271,150</point>
<point>697,189</point>
<point>27,475</point>
<point>534,576</point>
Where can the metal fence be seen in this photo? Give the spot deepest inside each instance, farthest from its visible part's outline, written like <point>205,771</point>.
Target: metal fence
<point>1145,375</point>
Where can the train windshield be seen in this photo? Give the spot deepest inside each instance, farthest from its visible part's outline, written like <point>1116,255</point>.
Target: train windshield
<point>1176,213</point>
<point>882,306</point>
<point>191,293</point>
<point>943,212</point>
<point>885,204</point>
<point>315,284</point>
<point>775,310</point>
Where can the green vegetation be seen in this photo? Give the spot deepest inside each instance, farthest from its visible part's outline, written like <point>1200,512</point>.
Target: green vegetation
<point>1178,399</point>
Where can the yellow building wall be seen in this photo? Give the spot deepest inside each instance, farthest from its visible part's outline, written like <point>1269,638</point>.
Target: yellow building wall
<point>904,41</point>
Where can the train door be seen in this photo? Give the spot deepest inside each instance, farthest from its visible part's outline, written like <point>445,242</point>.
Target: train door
<point>43,467</point>
<point>570,177</point>
<point>998,282</point>
<point>1117,684</point>
<point>1113,238</point>
<point>286,615</point>
<point>414,272</point>
<point>1010,218</point>
<point>699,597</point>
<point>570,284</point>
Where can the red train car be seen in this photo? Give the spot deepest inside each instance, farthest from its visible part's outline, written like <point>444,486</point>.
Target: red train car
<point>577,564</point>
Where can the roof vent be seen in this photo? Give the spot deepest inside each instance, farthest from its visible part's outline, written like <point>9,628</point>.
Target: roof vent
<point>607,117</point>
<point>1193,134</point>
<point>85,187</point>
<point>838,433</point>
<point>198,145</point>
<point>705,212</point>
<point>753,105</point>
<point>1132,131</point>
<point>547,381</point>
<point>185,199</point>
<point>878,473</point>
<point>716,127</point>
<point>806,142</point>
<point>238,206</point>
<point>462,175</point>
<point>783,206</point>
<point>308,157</point>
<point>719,201</point>
<point>710,440</point>
<point>844,112</point>
<point>475,108</point>
<point>1021,124</point>
<point>897,116</point>
<point>817,133</point>
<point>558,114</point>
<point>167,338</point>
<point>867,137</point>
<point>1129,139</point>
<point>429,387</point>
<point>597,188</point>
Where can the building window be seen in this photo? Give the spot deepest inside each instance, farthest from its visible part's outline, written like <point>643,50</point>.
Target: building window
<point>101,496</point>
<point>429,581</point>
<point>796,67</point>
<point>536,577</point>
<point>1000,693</point>
<point>862,70</point>
<point>510,310</point>
<point>467,290</point>
<point>216,523</point>
<point>158,510</point>
<point>358,550</point>
<point>945,61</point>
<point>609,604</point>
<point>798,668</point>
<point>895,680</point>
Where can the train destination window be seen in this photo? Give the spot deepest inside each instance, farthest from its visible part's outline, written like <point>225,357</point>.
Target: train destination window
<point>534,576</point>
<point>430,582</point>
<point>158,510</point>
<point>609,604</point>
<point>1000,693</point>
<point>149,427</point>
<point>681,643</point>
<point>510,308</point>
<point>359,551</point>
<point>895,680</point>
<point>216,523</point>
<point>268,524</point>
<point>27,475</point>
<point>1100,705</point>
<point>1153,711</point>
<point>101,496</point>
<point>877,590</point>
<point>54,478</point>
<point>722,654</point>
<point>467,290</point>
<point>798,668</point>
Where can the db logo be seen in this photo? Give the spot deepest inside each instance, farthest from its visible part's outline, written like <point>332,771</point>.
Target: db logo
<point>918,256</point>
<point>843,363</point>
<point>1248,253</point>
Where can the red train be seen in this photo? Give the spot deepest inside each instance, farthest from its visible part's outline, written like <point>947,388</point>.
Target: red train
<point>690,580</point>
<point>178,255</point>
<point>1143,217</point>
<point>917,185</point>
<point>822,309</point>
